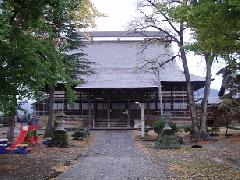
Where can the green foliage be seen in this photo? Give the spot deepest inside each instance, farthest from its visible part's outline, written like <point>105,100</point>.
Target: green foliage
<point>173,126</point>
<point>81,133</point>
<point>215,25</point>
<point>86,132</point>
<point>158,126</point>
<point>229,108</point>
<point>168,142</point>
<point>60,139</point>
<point>34,38</point>
<point>213,131</point>
<point>189,129</point>
<point>231,79</point>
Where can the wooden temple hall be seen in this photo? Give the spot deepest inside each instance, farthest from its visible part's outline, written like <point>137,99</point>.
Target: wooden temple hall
<point>110,97</point>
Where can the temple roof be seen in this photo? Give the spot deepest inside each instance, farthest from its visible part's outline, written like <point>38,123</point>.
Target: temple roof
<point>104,34</point>
<point>131,78</point>
<point>119,64</point>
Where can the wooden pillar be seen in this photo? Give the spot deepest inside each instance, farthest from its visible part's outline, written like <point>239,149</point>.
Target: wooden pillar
<point>80,107</point>
<point>128,113</point>
<point>142,120</point>
<point>108,112</point>
<point>95,113</point>
<point>89,111</point>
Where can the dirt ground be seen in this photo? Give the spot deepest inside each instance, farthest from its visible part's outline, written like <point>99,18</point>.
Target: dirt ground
<point>217,159</point>
<point>42,162</point>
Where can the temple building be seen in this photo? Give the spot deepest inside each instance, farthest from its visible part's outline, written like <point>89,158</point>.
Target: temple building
<point>122,79</point>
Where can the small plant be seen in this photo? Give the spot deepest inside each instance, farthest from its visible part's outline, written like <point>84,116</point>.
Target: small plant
<point>213,131</point>
<point>81,133</point>
<point>168,142</point>
<point>189,129</point>
<point>173,126</point>
<point>158,126</point>
<point>60,139</point>
<point>86,132</point>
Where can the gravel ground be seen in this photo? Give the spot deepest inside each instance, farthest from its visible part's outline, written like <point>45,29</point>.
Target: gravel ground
<point>42,162</point>
<point>113,156</point>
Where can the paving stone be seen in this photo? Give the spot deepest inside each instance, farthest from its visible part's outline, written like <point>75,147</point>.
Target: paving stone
<point>113,156</point>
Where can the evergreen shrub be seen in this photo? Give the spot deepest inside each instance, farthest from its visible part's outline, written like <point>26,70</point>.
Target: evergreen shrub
<point>158,126</point>
<point>81,133</point>
<point>60,139</point>
<point>168,142</point>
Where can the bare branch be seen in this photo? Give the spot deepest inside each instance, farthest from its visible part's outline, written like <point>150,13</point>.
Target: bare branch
<point>152,64</point>
<point>151,23</point>
<point>167,19</point>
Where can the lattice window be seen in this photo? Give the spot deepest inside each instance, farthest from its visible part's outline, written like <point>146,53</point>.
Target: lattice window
<point>75,106</point>
<point>58,106</point>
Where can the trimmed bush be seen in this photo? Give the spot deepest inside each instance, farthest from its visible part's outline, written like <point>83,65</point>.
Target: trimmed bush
<point>86,132</point>
<point>168,142</point>
<point>81,133</point>
<point>158,126</point>
<point>60,139</point>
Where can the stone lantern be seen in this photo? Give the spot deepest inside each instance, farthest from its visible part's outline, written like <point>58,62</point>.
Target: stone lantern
<point>59,116</point>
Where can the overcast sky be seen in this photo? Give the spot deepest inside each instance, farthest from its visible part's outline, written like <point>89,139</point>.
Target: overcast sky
<point>121,12</point>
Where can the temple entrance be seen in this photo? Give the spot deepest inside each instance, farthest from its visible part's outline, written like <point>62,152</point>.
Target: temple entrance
<point>111,114</point>
<point>118,114</point>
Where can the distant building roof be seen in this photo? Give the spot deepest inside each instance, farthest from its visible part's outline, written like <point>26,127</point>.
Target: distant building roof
<point>101,34</point>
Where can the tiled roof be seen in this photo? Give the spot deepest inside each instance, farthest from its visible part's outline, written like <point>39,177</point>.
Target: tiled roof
<point>132,78</point>
<point>117,64</point>
<point>122,34</point>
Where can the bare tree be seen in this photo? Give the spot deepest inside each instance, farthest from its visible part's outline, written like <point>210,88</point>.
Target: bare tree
<point>155,65</point>
<point>156,15</point>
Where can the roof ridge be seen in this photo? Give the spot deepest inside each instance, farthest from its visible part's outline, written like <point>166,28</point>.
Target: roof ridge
<point>121,34</point>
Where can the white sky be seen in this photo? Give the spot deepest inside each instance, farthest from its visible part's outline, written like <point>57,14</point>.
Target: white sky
<point>121,12</point>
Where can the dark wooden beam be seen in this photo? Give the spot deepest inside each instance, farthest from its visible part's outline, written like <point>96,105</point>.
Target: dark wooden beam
<point>128,112</point>
<point>108,112</point>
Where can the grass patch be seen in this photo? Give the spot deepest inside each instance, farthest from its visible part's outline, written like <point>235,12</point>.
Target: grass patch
<point>168,142</point>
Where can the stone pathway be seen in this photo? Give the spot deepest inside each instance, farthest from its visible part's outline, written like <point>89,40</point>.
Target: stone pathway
<point>113,156</point>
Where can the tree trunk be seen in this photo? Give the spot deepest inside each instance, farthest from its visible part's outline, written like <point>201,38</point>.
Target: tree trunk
<point>209,61</point>
<point>160,99</point>
<point>11,121</point>
<point>192,105</point>
<point>11,126</point>
<point>227,126</point>
<point>50,123</point>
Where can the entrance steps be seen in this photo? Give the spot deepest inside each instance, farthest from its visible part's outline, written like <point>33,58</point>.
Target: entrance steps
<point>113,123</point>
